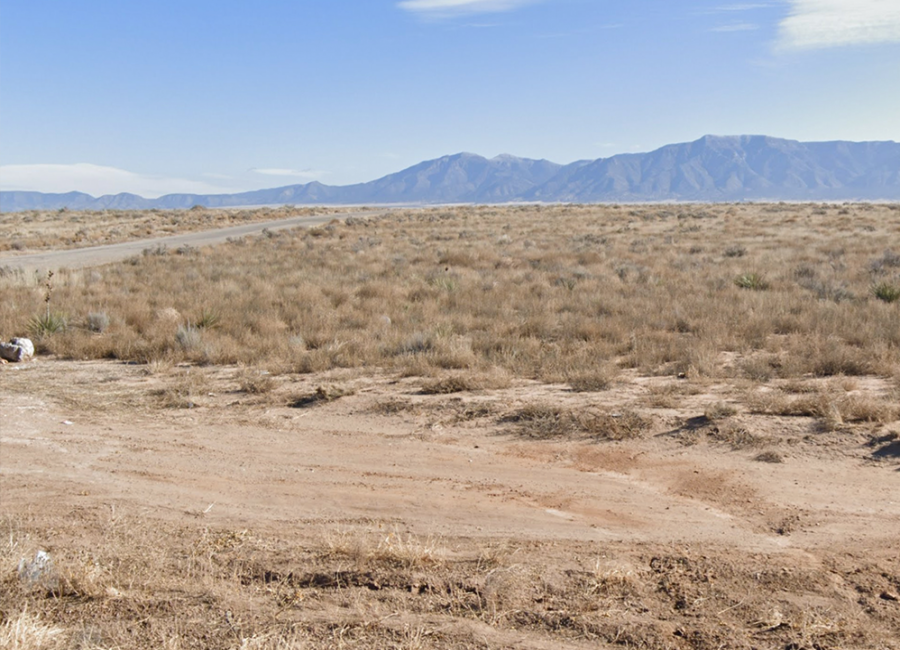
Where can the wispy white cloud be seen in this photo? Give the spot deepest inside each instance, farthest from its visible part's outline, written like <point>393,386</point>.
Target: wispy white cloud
<point>294,173</point>
<point>736,8</point>
<point>744,7</point>
<point>815,24</point>
<point>449,8</point>
<point>97,180</point>
<point>736,27</point>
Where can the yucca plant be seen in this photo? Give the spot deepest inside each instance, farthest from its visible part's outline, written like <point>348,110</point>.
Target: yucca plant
<point>48,322</point>
<point>208,319</point>
<point>753,281</point>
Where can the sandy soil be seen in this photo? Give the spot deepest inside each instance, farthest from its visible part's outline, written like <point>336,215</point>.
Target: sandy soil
<point>89,437</point>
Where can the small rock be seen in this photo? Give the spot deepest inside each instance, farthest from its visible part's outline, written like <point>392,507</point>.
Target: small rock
<point>890,595</point>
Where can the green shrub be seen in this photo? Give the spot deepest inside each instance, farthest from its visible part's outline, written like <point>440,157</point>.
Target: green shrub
<point>886,291</point>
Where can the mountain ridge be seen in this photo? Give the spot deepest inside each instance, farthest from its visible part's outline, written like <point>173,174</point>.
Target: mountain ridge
<point>709,169</point>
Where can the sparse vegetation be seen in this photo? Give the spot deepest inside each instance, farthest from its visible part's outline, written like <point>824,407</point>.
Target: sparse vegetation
<point>256,382</point>
<point>421,292</point>
<point>545,421</point>
<point>886,292</point>
<point>32,231</point>
<point>572,338</point>
<point>465,382</point>
<point>47,324</point>
<point>97,321</point>
<point>753,281</point>
<point>321,395</point>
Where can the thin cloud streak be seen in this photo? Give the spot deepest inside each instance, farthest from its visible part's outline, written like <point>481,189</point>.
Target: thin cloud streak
<point>743,7</point>
<point>815,24</point>
<point>97,180</point>
<point>740,27</point>
<point>450,8</point>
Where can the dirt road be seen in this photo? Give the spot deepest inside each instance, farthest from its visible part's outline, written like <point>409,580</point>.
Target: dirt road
<point>96,255</point>
<point>251,466</point>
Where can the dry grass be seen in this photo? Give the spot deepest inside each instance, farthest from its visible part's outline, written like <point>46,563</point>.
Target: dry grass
<point>477,299</point>
<point>827,404</point>
<point>144,586</point>
<point>559,294</point>
<point>594,379</point>
<point>321,395</point>
<point>36,230</point>
<point>466,382</point>
<point>544,421</point>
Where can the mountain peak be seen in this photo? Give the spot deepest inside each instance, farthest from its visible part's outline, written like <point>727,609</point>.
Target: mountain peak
<point>712,168</point>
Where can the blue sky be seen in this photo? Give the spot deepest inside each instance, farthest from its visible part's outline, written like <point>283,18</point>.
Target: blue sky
<point>207,96</point>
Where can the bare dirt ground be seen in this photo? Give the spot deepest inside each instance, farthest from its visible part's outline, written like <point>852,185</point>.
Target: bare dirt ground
<point>183,511</point>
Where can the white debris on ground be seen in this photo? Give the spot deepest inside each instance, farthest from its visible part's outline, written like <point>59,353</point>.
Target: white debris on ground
<point>17,350</point>
<point>39,573</point>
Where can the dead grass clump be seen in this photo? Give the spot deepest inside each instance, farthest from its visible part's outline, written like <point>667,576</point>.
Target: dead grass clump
<point>256,382</point>
<point>322,395</point>
<point>189,338</point>
<point>669,395</point>
<point>545,421</point>
<point>393,406</point>
<point>833,358</point>
<point>613,426</point>
<point>761,368</point>
<point>453,384</point>
<point>97,321</point>
<point>719,411</point>
<point>184,390</point>
<point>769,456</point>
<point>595,380</point>
<point>392,550</point>
<point>833,408</point>
<point>469,411</point>
<point>25,631</point>
<point>736,435</point>
<point>462,383</point>
<point>861,408</point>
<point>542,421</point>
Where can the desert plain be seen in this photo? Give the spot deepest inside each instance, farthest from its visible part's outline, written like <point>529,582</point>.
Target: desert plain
<point>568,426</point>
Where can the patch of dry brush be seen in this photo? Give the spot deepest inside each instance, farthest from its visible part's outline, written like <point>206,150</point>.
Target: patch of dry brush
<point>37,230</point>
<point>558,294</point>
<point>125,582</point>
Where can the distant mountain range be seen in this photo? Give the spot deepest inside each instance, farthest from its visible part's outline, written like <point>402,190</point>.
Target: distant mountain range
<point>713,168</point>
